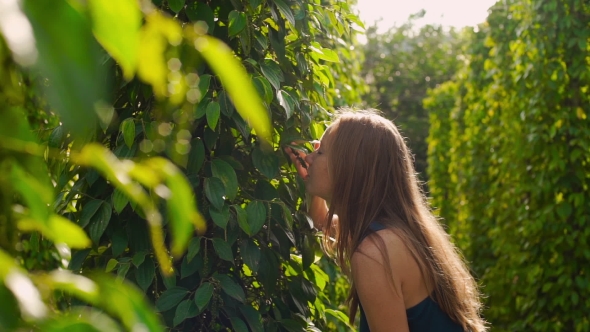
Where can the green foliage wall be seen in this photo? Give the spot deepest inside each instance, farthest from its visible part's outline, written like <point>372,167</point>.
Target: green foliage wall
<point>509,163</point>
<point>173,122</point>
<point>400,66</point>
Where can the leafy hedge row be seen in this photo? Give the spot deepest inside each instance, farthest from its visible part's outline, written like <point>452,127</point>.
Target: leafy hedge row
<point>510,163</point>
<point>179,123</point>
<point>400,66</point>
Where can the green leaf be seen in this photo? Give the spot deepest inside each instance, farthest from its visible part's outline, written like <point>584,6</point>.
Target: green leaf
<point>302,64</point>
<point>237,22</point>
<point>88,211</point>
<point>231,288</point>
<point>320,277</point>
<point>288,216</point>
<point>272,72</point>
<point>220,217</point>
<point>238,325</point>
<point>299,297</point>
<point>138,258</point>
<point>340,316</point>
<point>227,108</point>
<point>111,265</point>
<point>286,11</point>
<point>242,217</point>
<point>201,108</point>
<point>213,112</point>
<point>264,88</point>
<point>204,83</point>
<point>189,268</point>
<point>215,191</point>
<point>76,285</point>
<point>123,270</point>
<point>199,11</point>
<point>193,248</point>
<point>316,130</point>
<point>99,221</point>
<point>256,212</point>
<point>196,156</point>
<point>116,26</point>
<point>308,252</point>
<point>232,162</point>
<point>158,32</point>
<point>354,18</point>
<point>176,5</point>
<point>242,126</point>
<point>69,57</point>
<point>203,295</point>
<point>261,40</point>
<point>292,325</point>
<point>78,258</point>
<point>78,319</point>
<point>186,309</point>
<point>253,318</point>
<point>169,281</point>
<point>119,200</point>
<point>227,175</point>
<point>37,196</point>
<point>170,298</point>
<point>145,273</point>
<point>22,288</point>
<point>9,312</point>
<point>73,324</point>
<point>250,254</point>
<point>127,128</point>
<point>236,82</point>
<point>57,137</point>
<point>59,230</point>
<point>105,115</point>
<point>126,303</point>
<point>15,125</point>
<point>91,176</point>
<point>318,52</point>
<point>181,206</point>
<point>266,163</point>
<point>223,249</point>
<point>287,102</point>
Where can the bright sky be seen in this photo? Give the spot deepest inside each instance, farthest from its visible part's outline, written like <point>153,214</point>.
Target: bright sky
<point>458,13</point>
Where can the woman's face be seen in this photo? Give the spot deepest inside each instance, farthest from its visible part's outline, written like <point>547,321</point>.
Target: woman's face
<point>319,181</point>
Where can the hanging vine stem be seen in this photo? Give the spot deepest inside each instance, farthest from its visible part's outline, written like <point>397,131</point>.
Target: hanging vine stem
<point>268,218</point>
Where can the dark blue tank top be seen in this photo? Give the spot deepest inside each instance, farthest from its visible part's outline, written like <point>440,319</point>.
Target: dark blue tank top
<point>426,316</point>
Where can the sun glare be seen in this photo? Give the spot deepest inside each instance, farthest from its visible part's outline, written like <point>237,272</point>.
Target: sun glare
<point>457,13</point>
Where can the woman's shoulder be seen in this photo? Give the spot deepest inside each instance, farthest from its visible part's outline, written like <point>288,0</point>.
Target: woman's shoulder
<point>379,239</point>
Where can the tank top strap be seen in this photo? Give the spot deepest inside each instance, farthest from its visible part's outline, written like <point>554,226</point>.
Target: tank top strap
<point>374,226</point>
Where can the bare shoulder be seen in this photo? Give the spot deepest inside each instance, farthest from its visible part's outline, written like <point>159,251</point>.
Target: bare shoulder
<point>379,291</point>
<point>369,257</point>
<point>371,248</point>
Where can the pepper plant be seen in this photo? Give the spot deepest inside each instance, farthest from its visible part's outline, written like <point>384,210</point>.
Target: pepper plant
<point>147,138</point>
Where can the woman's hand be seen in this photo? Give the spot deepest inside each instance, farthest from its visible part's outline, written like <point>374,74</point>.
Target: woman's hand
<point>317,207</point>
<point>298,158</point>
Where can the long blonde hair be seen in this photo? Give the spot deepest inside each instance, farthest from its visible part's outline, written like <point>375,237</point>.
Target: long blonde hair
<point>374,180</point>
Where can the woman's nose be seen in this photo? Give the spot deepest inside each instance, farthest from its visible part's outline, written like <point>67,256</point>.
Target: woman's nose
<point>315,144</point>
<point>309,158</point>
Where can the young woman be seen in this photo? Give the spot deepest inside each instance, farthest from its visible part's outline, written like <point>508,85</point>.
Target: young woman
<point>406,273</point>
